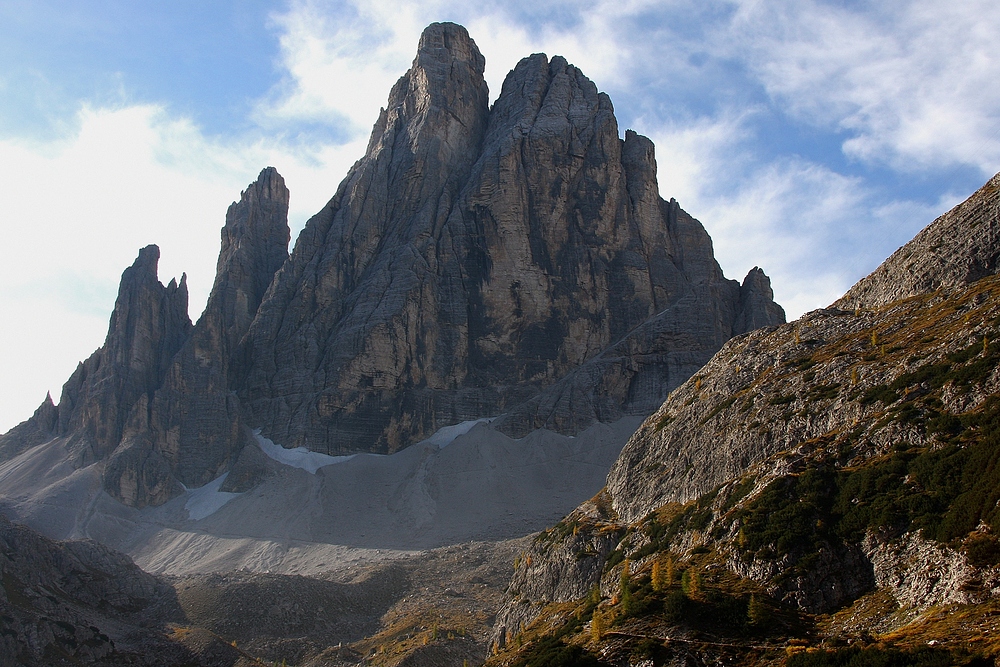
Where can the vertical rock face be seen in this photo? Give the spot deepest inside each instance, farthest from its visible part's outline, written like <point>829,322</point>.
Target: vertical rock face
<point>365,305</point>
<point>473,258</point>
<point>254,246</point>
<point>157,401</point>
<point>474,262</point>
<point>149,324</point>
<point>190,427</point>
<point>756,306</point>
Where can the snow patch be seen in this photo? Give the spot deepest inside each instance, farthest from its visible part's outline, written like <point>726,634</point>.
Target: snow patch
<point>300,457</point>
<point>445,436</point>
<point>207,500</point>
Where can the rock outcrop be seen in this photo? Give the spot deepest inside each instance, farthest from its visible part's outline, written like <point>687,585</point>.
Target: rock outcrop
<point>476,256</point>
<point>43,425</point>
<point>148,326</point>
<point>80,603</point>
<point>960,247</point>
<point>475,262</point>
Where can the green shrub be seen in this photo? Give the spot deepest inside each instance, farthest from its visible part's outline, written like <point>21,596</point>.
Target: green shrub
<point>553,652</point>
<point>946,492</point>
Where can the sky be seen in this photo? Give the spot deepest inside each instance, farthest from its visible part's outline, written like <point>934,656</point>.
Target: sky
<point>811,138</point>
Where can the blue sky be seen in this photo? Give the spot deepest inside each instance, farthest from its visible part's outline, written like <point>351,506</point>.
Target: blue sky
<point>811,138</point>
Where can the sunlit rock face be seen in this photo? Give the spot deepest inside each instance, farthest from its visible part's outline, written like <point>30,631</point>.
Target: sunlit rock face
<point>513,261</point>
<point>476,256</point>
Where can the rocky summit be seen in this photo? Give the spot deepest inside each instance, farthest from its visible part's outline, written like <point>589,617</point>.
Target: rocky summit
<point>475,256</point>
<point>512,262</point>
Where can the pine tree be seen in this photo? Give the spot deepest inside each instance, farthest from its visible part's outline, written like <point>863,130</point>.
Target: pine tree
<point>597,625</point>
<point>757,611</point>
<point>656,577</point>
<point>671,571</point>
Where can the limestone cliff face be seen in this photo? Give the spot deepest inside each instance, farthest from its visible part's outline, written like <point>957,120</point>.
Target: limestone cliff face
<point>189,430</point>
<point>149,324</point>
<point>156,403</point>
<point>364,305</point>
<point>475,262</point>
<point>476,256</point>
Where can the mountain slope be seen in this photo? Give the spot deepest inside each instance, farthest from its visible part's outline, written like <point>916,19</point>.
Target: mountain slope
<point>846,461</point>
<point>73,603</point>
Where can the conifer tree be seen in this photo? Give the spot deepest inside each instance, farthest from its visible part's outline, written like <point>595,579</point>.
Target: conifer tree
<point>691,582</point>
<point>597,625</point>
<point>625,592</point>
<point>757,612</point>
<point>656,577</point>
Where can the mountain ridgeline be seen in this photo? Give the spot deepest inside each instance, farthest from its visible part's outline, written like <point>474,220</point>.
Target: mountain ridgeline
<point>831,481</point>
<point>513,261</point>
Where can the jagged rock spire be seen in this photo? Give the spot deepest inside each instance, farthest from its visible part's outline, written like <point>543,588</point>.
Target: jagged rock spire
<point>190,428</point>
<point>148,325</point>
<point>473,258</point>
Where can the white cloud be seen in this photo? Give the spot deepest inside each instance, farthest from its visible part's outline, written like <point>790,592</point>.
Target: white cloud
<point>912,84</point>
<point>814,232</point>
<point>342,59</point>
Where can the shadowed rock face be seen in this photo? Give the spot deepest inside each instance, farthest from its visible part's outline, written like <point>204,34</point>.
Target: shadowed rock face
<point>474,257</point>
<point>108,611</point>
<point>190,428</point>
<point>476,261</point>
<point>149,324</point>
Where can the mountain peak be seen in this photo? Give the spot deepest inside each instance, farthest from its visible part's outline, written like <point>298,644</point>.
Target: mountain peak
<point>448,42</point>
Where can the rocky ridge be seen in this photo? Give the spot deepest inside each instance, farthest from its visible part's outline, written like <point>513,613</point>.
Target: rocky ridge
<point>155,403</point>
<point>800,472</point>
<point>956,249</point>
<point>513,261</point>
